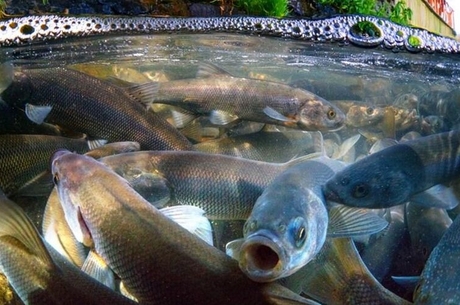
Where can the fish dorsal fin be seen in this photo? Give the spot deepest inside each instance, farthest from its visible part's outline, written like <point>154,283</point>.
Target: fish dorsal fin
<point>14,222</point>
<point>233,248</point>
<point>96,267</point>
<point>144,93</point>
<point>350,222</point>
<point>210,70</point>
<point>272,113</point>
<point>438,196</point>
<point>37,114</point>
<point>191,218</point>
<point>221,117</point>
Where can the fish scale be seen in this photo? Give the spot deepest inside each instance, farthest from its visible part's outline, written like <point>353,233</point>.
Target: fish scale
<point>92,106</point>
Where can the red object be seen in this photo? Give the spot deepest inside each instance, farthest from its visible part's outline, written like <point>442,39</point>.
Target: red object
<point>443,10</point>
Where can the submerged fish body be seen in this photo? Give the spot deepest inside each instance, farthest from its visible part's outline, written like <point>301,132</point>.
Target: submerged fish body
<point>439,281</point>
<point>37,273</point>
<point>158,261</point>
<point>393,175</point>
<point>83,103</point>
<point>226,99</point>
<point>287,226</point>
<point>274,147</point>
<point>225,187</point>
<point>25,158</point>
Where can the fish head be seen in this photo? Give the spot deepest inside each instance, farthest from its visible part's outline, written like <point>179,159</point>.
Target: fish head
<point>66,169</point>
<point>279,244</point>
<point>369,183</point>
<point>359,116</point>
<point>318,114</point>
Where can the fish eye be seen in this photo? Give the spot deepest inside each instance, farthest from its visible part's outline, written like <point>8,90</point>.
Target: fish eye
<point>360,190</point>
<point>249,226</point>
<point>331,114</point>
<point>369,110</point>
<point>55,179</point>
<point>300,233</point>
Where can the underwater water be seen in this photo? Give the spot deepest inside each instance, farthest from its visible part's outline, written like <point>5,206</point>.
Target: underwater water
<point>378,98</point>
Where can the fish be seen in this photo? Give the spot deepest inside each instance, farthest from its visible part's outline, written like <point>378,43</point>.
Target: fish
<point>25,160</point>
<point>77,101</point>
<point>337,276</point>
<point>426,227</point>
<point>398,173</point>
<point>148,243</point>
<point>227,99</point>
<point>289,222</point>
<point>276,147</point>
<point>38,274</point>
<point>225,187</point>
<point>439,281</point>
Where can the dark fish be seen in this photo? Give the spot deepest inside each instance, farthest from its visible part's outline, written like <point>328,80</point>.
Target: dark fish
<point>440,279</point>
<point>226,99</point>
<point>396,174</point>
<point>158,261</point>
<point>86,104</point>
<point>39,274</point>
<point>25,159</point>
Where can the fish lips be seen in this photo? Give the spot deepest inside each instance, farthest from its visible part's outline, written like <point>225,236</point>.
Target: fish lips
<point>262,257</point>
<point>330,194</point>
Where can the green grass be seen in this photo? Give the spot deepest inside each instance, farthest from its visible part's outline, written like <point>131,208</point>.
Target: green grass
<point>270,8</point>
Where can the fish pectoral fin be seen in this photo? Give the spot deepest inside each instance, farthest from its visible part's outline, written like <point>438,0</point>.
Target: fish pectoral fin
<point>221,117</point>
<point>279,295</point>
<point>14,222</point>
<point>438,196</point>
<point>346,146</point>
<point>96,267</point>
<point>37,114</point>
<point>233,248</point>
<point>124,291</point>
<point>144,93</point>
<point>407,282</point>
<point>350,222</point>
<point>192,219</point>
<point>210,70</point>
<point>269,111</point>
<point>93,144</point>
<point>182,117</point>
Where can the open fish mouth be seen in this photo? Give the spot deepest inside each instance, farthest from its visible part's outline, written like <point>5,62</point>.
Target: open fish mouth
<point>262,259</point>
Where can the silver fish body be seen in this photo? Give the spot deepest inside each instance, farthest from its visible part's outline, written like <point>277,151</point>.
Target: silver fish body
<point>391,176</point>
<point>158,261</point>
<point>225,187</point>
<point>247,99</point>
<point>89,105</point>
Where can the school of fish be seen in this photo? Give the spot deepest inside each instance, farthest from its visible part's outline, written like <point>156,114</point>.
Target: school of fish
<point>123,188</point>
